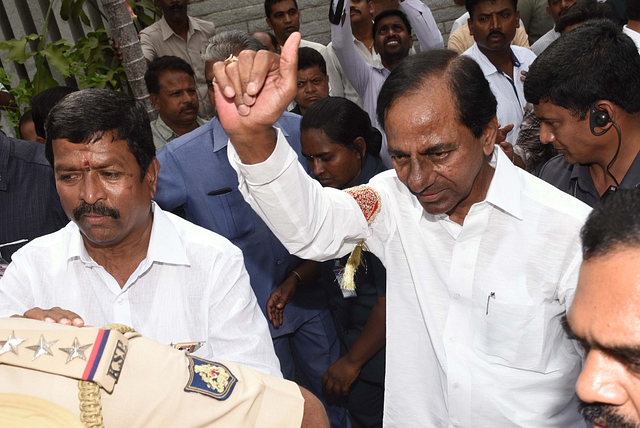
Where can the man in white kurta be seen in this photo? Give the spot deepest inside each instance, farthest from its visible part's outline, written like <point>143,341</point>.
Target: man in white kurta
<point>477,278</point>
<point>122,259</point>
<point>192,287</point>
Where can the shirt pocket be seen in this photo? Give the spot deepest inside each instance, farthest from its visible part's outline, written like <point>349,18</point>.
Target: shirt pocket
<point>231,215</point>
<point>509,334</point>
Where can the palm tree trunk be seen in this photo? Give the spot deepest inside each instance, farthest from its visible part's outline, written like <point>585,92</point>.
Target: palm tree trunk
<point>125,36</point>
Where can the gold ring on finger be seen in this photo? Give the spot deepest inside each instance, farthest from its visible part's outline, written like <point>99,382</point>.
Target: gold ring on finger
<point>231,58</point>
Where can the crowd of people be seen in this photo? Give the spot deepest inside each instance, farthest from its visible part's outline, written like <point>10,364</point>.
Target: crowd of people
<point>361,234</point>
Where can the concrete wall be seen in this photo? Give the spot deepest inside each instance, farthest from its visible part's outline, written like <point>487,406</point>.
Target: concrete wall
<point>21,17</point>
<point>248,15</point>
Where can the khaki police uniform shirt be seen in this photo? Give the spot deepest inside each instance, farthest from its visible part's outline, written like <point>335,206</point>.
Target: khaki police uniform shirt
<point>142,382</point>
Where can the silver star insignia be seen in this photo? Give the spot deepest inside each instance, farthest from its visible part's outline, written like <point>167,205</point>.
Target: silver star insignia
<point>42,348</point>
<point>11,344</point>
<point>76,351</point>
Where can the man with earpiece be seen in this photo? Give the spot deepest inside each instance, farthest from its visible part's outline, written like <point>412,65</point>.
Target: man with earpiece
<point>588,103</point>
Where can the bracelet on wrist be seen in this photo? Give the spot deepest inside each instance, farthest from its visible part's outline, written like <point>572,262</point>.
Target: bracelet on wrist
<point>300,281</point>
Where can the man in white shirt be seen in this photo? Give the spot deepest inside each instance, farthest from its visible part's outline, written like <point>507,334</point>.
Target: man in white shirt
<point>283,17</point>
<point>556,9</point>
<point>121,258</point>
<point>392,40</point>
<point>460,39</point>
<point>180,35</point>
<point>482,258</point>
<point>493,26</point>
<point>361,18</point>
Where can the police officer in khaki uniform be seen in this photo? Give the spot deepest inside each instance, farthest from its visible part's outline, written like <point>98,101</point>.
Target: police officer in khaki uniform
<point>127,380</point>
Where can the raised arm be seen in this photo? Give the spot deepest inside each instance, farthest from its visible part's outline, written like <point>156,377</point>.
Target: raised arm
<point>423,24</point>
<point>310,221</point>
<point>252,91</point>
<point>357,70</point>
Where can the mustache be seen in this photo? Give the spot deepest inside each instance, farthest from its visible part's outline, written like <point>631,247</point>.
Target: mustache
<point>605,415</point>
<point>187,106</point>
<point>97,208</point>
<point>493,33</point>
<point>355,9</point>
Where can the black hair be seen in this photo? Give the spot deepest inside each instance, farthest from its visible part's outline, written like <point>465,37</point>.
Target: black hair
<point>613,224</point>
<point>26,117</point>
<point>596,61</point>
<point>309,57</point>
<point>633,10</point>
<point>342,121</point>
<point>391,12</point>
<point>110,112</point>
<point>42,104</point>
<point>161,64</point>
<point>583,11</point>
<point>471,5</point>
<point>268,6</point>
<point>273,38</point>
<point>474,102</point>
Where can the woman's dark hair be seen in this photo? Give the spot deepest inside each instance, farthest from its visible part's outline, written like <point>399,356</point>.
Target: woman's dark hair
<point>342,121</point>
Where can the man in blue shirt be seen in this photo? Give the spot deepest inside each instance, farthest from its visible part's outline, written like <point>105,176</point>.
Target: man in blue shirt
<point>30,204</point>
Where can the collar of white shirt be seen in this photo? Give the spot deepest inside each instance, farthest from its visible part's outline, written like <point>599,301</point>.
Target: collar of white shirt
<point>168,32</point>
<point>487,66</point>
<point>503,191</point>
<point>165,245</point>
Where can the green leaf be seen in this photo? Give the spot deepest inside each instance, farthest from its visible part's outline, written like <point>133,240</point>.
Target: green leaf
<point>65,9</point>
<point>42,79</point>
<point>4,77</point>
<point>63,43</point>
<point>17,48</point>
<point>85,19</point>
<point>57,59</point>
<point>78,12</point>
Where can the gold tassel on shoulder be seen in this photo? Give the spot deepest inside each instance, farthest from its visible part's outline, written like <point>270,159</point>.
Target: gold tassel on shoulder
<point>89,395</point>
<point>348,279</point>
<point>369,202</point>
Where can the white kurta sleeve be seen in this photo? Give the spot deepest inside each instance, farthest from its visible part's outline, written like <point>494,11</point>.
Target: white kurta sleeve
<point>311,222</point>
<point>423,23</point>
<point>357,70</point>
<point>238,330</point>
<point>16,288</point>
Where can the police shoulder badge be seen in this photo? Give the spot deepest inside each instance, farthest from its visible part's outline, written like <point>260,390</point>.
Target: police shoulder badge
<point>210,378</point>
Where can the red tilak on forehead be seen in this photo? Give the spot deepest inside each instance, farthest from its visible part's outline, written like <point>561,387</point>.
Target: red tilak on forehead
<point>85,163</point>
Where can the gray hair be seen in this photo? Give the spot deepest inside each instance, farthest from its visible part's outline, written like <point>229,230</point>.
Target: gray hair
<point>228,43</point>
